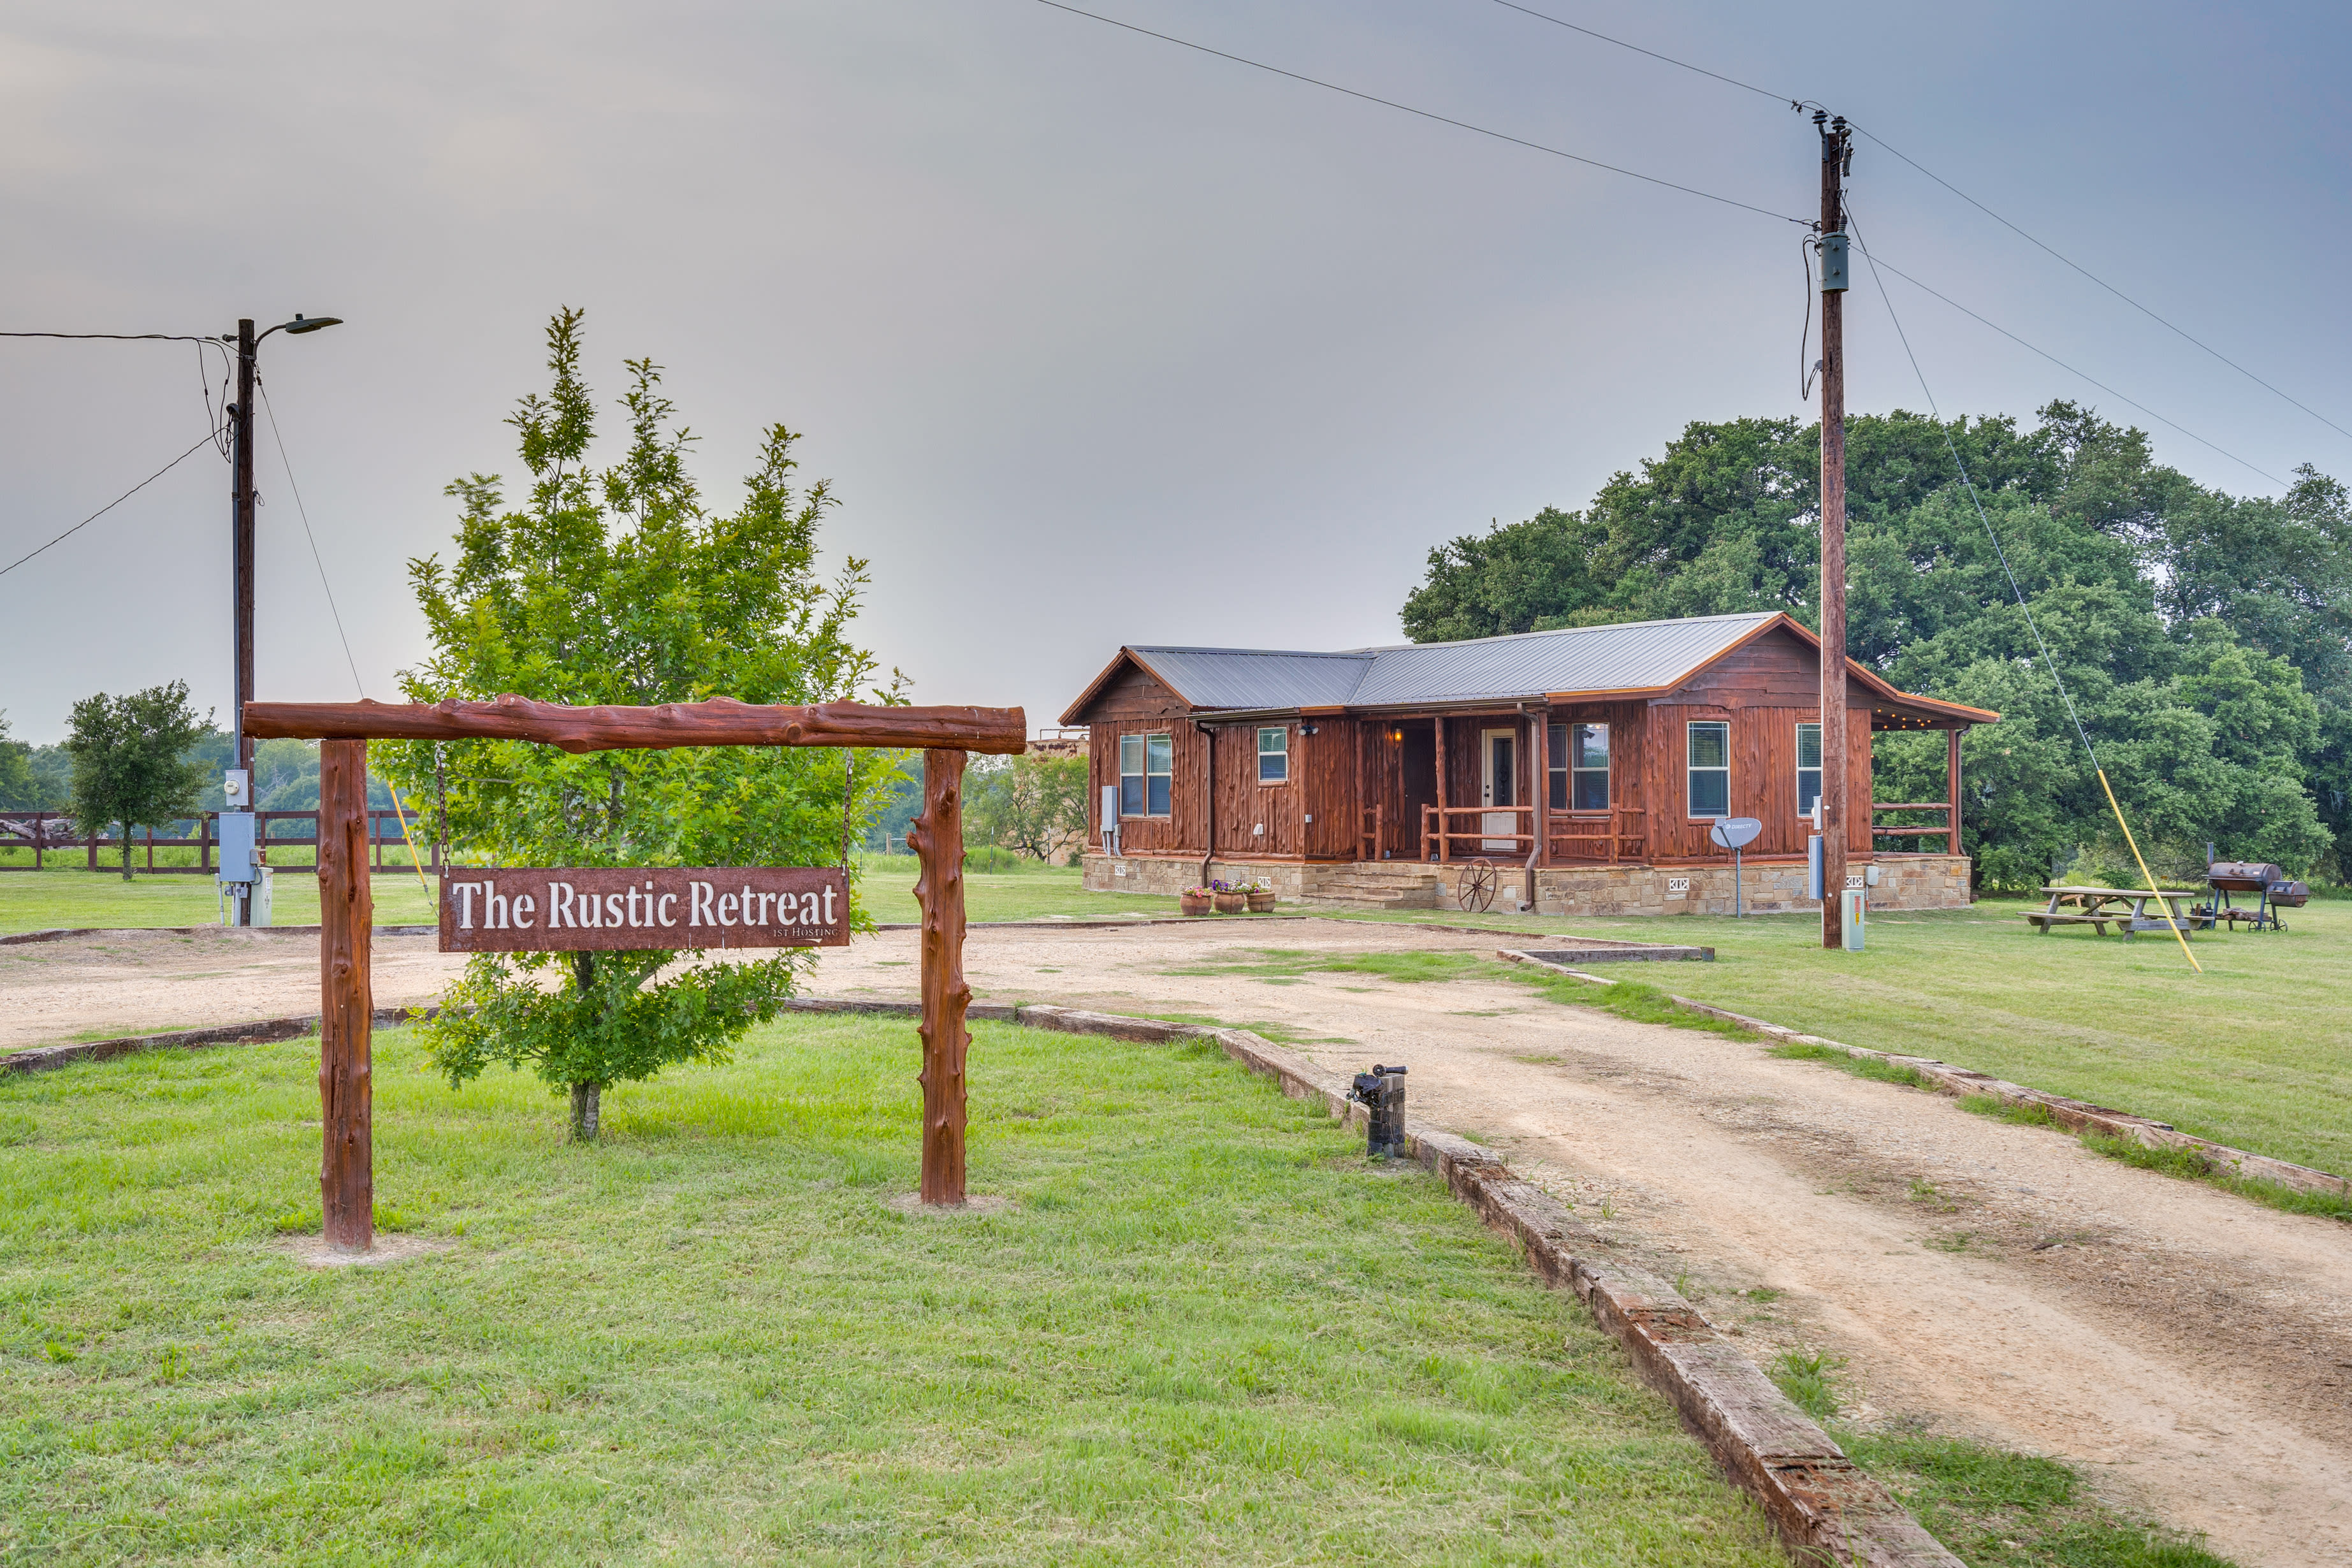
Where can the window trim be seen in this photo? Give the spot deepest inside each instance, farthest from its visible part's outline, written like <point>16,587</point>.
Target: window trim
<point>1262,732</point>
<point>1565,771</point>
<point>1142,740</point>
<point>1690,769</point>
<point>1803,811</point>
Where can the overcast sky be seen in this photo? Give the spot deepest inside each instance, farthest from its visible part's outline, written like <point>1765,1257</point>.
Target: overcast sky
<point>1100,340</point>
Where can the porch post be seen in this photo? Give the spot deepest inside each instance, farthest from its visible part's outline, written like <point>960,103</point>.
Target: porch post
<point>1952,790</point>
<point>1442,847</point>
<point>1539,763</point>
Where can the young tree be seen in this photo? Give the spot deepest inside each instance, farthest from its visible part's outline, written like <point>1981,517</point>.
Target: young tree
<point>618,584</point>
<point>1032,805</point>
<point>18,789</point>
<point>127,762</point>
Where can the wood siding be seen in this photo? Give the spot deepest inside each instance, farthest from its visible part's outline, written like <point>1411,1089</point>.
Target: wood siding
<point>1134,704</point>
<point>1763,691</point>
<point>1763,779</point>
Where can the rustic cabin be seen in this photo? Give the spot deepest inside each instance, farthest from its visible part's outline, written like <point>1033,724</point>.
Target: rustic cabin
<point>1587,765</point>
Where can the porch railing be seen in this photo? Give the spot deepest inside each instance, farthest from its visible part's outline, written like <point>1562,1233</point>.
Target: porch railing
<point>1442,835</point>
<point>1613,836</point>
<point>1904,830</point>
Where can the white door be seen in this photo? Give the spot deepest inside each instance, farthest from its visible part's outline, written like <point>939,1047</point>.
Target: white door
<point>1499,771</point>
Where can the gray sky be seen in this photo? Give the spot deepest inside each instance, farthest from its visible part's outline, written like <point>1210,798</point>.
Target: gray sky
<point>1100,340</point>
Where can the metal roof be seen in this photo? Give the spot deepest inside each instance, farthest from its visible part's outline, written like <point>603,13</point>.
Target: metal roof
<point>1256,678</point>
<point>1637,656</point>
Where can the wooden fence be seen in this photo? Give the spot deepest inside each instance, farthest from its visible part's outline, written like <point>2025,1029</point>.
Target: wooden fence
<point>48,833</point>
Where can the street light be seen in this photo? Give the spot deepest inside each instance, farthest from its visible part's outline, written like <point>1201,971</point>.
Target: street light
<point>239,871</point>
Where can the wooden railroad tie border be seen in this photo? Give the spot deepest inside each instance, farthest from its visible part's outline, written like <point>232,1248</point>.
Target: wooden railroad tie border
<point>34,1058</point>
<point>2074,1115</point>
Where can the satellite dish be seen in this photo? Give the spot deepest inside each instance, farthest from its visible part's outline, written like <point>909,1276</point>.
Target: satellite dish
<point>1735,832</point>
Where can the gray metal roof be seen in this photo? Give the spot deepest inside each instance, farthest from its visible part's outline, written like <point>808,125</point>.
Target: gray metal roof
<point>1254,678</point>
<point>1637,656</point>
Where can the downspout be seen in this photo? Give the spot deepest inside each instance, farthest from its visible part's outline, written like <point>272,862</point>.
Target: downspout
<point>1209,789</point>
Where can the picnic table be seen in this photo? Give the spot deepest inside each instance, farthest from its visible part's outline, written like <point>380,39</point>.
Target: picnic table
<point>2124,906</point>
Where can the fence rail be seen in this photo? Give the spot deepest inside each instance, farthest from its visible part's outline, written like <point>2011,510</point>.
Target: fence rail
<point>47,833</point>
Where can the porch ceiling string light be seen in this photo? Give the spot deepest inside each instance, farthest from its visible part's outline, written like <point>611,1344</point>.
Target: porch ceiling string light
<point>2049,662</point>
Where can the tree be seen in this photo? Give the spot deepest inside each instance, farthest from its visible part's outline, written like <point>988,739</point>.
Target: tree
<point>618,584</point>
<point>19,790</point>
<point>2208,638</point>
<point>127,762</point>
<point>1032,804</point>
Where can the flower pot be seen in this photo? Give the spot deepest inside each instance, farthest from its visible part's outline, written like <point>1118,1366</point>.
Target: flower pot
<point>1260,901</point>
<point>1232,903</point>
<point>1195,900</point>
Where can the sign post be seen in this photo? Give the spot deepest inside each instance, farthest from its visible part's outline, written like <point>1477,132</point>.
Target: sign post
<point>510,910</point>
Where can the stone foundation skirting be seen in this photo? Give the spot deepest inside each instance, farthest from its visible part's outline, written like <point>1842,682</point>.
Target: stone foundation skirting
<point>1904,882</point>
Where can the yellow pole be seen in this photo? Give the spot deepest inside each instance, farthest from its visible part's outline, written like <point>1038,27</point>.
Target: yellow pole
<point>407,837</point>
<point>2161,901</point>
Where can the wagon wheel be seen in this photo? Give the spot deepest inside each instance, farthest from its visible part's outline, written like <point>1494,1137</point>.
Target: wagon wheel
<point>1476,889</point>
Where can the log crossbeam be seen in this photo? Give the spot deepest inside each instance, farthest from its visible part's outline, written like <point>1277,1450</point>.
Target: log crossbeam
<point>719,721</point>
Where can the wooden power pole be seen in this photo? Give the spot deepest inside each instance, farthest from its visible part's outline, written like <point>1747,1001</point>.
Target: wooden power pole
<point>1837,157</point>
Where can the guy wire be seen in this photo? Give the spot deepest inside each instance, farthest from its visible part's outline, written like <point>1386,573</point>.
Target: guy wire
<point>2048,662</point>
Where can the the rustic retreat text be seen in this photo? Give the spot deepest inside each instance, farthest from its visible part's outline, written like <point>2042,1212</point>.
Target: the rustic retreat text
<point>491,908</point>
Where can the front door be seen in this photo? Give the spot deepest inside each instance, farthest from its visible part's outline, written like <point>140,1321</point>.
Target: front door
<point>1499,755</point>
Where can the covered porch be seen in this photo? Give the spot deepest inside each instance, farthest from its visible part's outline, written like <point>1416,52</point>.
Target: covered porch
<point>1608,784</point>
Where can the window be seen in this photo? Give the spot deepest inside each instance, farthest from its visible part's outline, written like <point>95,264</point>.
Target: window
<point>1710,768</point>
<point>1145,765</point>
<point>1580,767</point>
<point>1273,755</point>
<point>1809,767</point>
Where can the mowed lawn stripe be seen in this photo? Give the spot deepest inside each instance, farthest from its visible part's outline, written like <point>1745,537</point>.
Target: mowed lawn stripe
<point>1204,1328</point>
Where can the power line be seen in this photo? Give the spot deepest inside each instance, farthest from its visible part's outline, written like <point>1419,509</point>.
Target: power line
<point>1888,147</point>
<point>122,337</point>
<point>304,512</point>
<point>2061,363</point>
<point>2110,287</point>
<point>1425,113</point>
<point>1668,59</point>
<point>204,442</point>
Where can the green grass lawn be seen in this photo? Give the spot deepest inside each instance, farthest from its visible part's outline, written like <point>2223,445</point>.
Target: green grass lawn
<point>1205,1329</point>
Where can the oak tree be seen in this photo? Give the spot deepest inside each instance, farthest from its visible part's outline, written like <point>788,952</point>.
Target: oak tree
<point>129,767</point>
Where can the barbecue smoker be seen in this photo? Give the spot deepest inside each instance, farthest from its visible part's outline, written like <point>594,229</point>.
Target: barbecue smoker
<point>1382,1092</point>
<point>2271,889</point>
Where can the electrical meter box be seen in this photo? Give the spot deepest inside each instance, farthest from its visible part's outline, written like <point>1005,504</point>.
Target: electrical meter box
<point>236,859</point>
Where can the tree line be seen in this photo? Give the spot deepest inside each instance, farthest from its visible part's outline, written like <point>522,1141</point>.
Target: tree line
<point>2205,638</point>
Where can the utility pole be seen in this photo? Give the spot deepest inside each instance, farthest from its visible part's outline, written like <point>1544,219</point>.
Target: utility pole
<point>241,542</point>
<point>240,502</point>
<point>241,558</point>
<point>1837,157</point>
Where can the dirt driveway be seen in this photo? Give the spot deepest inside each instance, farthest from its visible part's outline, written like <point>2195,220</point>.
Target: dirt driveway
<point>2191,1350</point>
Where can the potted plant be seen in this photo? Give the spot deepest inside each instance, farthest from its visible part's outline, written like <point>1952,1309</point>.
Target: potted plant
<point>1261,896</point>
<point>1194,900</point>
<point>1230,897</point>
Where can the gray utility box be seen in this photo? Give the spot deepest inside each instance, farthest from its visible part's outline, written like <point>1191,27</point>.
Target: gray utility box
<point>237,858</point>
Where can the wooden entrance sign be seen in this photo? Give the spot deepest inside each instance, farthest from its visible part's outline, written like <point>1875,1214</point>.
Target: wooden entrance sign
<point>346,1176</point>
<point>591,908</point>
